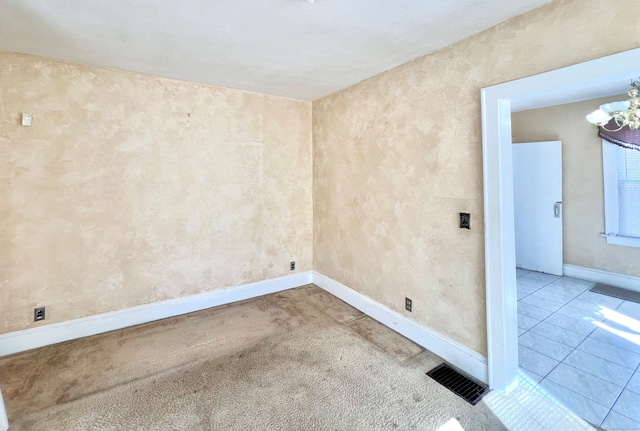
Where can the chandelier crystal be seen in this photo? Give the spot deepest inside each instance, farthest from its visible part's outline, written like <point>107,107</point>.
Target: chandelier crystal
<point>626,113</point>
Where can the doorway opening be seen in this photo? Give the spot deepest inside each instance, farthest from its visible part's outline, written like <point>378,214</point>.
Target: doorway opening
<point>596,78</point>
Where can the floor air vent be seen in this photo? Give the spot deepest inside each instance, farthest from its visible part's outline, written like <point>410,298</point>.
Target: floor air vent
<point>460,385</point>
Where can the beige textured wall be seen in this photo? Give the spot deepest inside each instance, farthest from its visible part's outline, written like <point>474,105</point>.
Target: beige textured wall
<point>131,189</point>
<point>582,188</point>
<point>397,156</point>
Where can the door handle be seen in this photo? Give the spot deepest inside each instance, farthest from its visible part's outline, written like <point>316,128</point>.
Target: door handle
<point>556,209</point>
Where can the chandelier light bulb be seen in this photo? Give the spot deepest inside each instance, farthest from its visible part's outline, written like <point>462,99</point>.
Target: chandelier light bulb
<point>625,113</point>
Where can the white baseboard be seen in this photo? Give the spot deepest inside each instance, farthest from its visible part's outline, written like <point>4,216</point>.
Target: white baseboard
<point>19,341</point>
<point>598,276</point>
<point>4,421</point>
<point>451,351</point>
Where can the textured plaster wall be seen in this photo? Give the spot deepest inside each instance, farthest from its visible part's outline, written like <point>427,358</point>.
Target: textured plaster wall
<point>397,156</point>
<point>582,186</point>
<point>130,189</point>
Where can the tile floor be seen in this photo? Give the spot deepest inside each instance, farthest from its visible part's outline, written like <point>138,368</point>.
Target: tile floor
<point>581,348</point>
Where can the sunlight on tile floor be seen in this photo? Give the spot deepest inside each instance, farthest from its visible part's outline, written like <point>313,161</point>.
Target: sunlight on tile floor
<point>581,348</point>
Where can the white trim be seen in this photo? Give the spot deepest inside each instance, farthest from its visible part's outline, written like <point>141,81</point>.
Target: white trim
<point>596,78</point>
<point>626,241</point>
<point>14,342</point>
<point>513,384</point>
<point>500,255</point>
<point>4,421</point>
<point>612,198</point>
<point>610,184</point>
<point>451,351</point>
<point>628,282</point>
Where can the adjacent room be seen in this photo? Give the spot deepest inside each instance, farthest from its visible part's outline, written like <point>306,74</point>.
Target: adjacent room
<point>289,215</point>
<point>578,344</point>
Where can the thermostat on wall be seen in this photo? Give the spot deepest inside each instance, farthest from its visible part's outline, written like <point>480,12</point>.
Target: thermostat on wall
<point>26,119</point>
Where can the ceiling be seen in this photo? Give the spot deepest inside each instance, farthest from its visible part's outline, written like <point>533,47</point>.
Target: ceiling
<point>291,48</point>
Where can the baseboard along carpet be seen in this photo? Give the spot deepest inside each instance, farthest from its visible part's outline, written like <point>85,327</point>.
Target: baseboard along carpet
<point>296,360</point>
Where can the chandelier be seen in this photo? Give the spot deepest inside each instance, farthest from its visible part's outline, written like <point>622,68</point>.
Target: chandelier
<point>626,113</point>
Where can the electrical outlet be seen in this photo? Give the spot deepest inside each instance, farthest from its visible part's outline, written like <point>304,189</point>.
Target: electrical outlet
<point>292,266</point>
<point>408,304</point>
<point>465,221</point>
<point>38,314</point>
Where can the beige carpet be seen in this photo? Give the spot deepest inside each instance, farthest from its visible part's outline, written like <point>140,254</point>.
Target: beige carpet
<point>299,360</point>
<point>309,379</point>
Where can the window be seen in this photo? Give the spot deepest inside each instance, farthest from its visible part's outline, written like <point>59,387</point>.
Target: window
<point>621,169</point>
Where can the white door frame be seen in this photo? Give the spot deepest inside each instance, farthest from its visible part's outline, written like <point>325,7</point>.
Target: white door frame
<point>4,421</point>
<point>597,78</point>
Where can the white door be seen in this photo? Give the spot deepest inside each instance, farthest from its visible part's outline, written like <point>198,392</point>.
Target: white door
<point>537,189</point>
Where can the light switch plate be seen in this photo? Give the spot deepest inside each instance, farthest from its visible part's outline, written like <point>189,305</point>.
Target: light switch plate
<point>465,221</point>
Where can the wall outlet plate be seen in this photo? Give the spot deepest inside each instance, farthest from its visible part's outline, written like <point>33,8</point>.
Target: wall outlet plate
<point>292,265</point>
<point>408,304</point>
<point>38,314</point>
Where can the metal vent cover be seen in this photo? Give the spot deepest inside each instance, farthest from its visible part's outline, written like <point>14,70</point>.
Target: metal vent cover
<point>464,387</point>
